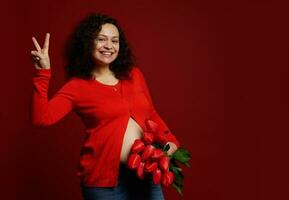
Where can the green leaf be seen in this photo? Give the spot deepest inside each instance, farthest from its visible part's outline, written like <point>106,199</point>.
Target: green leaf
<point>158,146</point>
<point>166,147</point>
<point>182,155</point>
<point>178,168</point>
<point>178,175</point>
<point>175,169</point>
<point>178,188</point>
<point>187,164</point>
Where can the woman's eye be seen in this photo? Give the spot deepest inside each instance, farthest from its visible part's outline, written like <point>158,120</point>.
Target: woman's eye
<point>115,41</point>
<point>100,39</point>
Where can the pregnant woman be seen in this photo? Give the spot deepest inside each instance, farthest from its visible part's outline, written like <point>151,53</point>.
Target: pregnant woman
<point>109,93</point>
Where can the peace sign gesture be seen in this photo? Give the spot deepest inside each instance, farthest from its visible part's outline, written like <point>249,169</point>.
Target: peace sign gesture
<point>40,56</point>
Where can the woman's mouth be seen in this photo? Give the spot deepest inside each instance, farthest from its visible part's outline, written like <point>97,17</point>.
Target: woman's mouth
<point>106,53</point>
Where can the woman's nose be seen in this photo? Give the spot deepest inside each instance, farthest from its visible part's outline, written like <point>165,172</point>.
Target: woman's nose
<point>108,45</point>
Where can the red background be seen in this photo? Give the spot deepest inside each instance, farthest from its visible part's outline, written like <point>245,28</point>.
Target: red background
<point>218,74</point>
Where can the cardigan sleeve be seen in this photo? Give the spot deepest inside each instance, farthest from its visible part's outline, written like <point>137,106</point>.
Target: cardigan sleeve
<point>155,115</point>
<point>46,112</point>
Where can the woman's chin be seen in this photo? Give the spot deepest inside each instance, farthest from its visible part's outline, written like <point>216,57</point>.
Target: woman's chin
<point>104,61</point>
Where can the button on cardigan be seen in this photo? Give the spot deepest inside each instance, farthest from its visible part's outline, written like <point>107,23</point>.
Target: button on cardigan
<point>105,111</point>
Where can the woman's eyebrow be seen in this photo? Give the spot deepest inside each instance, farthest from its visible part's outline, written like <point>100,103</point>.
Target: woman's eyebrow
<point>106,35</point>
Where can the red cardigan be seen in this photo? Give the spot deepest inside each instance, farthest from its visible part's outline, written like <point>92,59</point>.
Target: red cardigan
<point>105,113</point>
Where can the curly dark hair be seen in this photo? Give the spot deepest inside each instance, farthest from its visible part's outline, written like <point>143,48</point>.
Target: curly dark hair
<point>78,48</point>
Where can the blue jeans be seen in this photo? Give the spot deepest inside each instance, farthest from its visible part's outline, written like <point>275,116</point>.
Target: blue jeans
<point>129,187</point>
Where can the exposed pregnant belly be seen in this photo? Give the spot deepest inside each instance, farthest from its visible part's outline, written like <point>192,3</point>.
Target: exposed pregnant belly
<point>133,132</point>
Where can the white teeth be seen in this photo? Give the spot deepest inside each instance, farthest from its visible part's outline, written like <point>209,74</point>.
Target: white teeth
<point>106,53</point>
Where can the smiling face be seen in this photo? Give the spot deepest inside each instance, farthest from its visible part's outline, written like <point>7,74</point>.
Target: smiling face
<point>106,45</point>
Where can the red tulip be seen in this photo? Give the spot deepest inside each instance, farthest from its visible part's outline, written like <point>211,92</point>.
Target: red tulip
<point>137,146</point>
<point>152,126</point>
<point>157,154</point>
<point>164,163</point>
<point>157,175</point>
<point>133,161</point>
<point>150,166</point>
<point>167,178</point>
<point>148,137</point>
<point>161,138</point>
<point>148,150</point>
<point>140,170</point>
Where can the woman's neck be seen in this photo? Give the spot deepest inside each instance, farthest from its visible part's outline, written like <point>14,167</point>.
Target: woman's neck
<point>102,70</point>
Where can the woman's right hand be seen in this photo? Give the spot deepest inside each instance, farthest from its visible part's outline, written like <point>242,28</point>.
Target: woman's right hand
<point>40,56</point>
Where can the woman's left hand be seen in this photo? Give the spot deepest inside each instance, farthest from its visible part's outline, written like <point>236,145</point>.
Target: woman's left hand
<point>172,148</point>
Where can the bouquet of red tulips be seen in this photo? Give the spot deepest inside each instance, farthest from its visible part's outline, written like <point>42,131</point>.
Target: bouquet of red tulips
<point>148,155</point>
